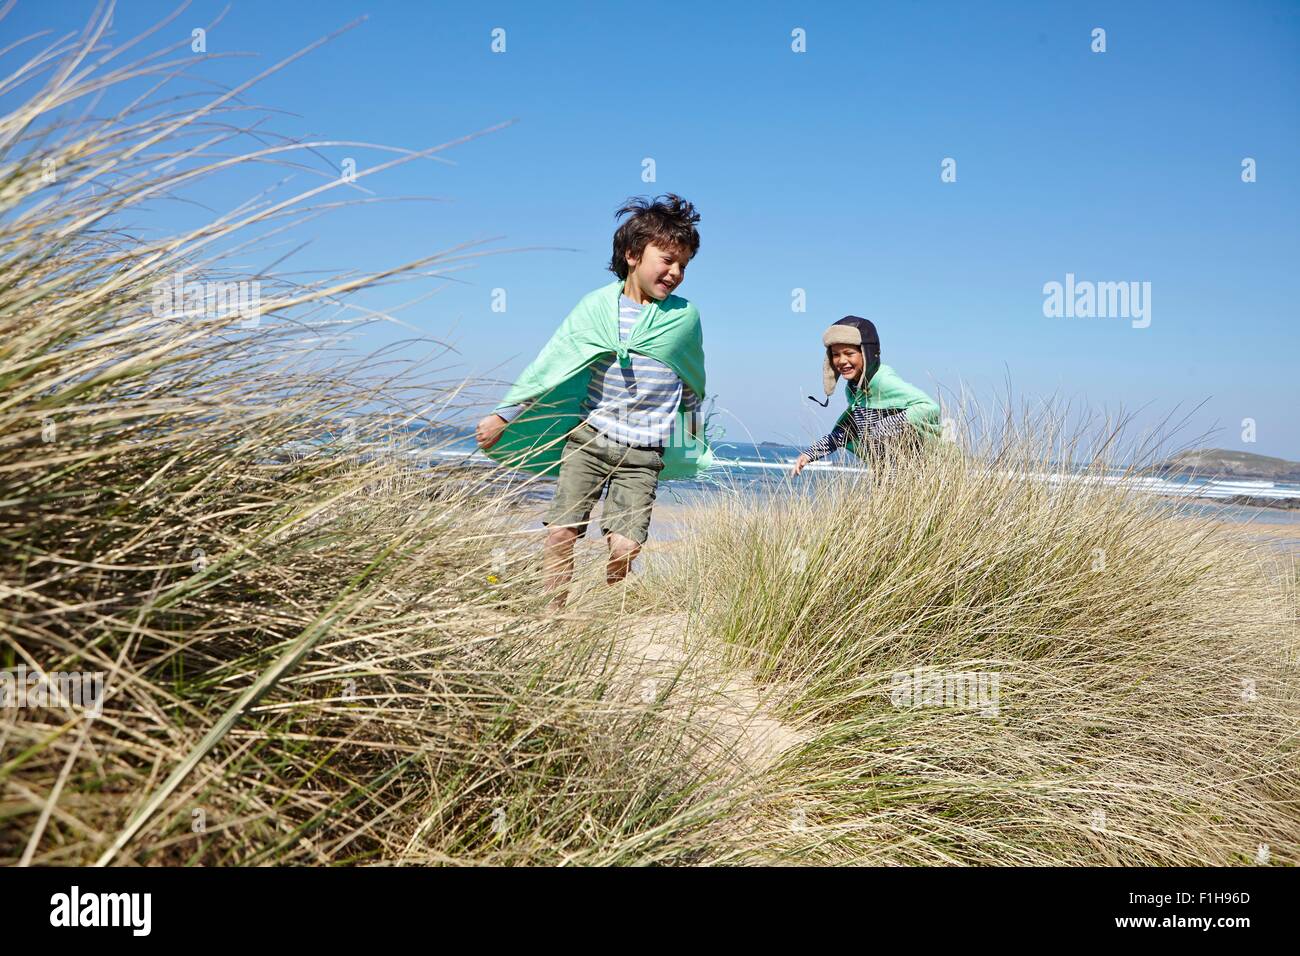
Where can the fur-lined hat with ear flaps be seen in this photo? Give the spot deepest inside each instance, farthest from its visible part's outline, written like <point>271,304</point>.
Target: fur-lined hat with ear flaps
<point>860,333</point>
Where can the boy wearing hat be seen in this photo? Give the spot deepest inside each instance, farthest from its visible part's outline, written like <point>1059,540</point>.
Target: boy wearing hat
<point>885,414</point>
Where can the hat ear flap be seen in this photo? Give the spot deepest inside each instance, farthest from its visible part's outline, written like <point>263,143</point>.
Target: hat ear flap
<point>828,374</point>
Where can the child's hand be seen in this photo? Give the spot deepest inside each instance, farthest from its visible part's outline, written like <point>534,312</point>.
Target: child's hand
<point>489,431</point>
<point>799,465</point>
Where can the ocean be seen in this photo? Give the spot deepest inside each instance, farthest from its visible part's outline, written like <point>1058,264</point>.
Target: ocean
<point>763,468</point>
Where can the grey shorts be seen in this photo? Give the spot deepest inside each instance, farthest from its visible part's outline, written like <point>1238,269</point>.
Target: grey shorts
<point>590,464</point>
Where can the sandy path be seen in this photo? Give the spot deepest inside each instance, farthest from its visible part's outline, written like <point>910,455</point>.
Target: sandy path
<point>732,711</point>
<point>721,702</point>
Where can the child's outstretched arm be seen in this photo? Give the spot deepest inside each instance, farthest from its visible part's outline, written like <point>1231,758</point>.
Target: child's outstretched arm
<point>821,448</point>
<point>861,422</point>
<point>490,428</point>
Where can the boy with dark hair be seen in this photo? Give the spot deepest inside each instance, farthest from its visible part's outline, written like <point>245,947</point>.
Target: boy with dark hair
<point>612,400</point>
<point>885,416</point>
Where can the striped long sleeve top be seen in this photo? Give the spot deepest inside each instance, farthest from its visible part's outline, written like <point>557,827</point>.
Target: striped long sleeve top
<point>878,427</point>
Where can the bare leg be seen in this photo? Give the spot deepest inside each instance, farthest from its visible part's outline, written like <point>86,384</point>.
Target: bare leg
<point>557,563</point>
<point>622,552</point>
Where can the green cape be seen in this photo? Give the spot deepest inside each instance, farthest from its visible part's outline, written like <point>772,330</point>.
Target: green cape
<point>887,390</point>
<point>556,382</point>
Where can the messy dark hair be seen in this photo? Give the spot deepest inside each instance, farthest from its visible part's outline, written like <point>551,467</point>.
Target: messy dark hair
<point>667,221</point>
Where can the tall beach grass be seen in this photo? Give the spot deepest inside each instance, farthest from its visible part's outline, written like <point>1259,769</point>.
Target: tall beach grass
<point>1003,669</point>
<point>316,652</point>
<point>313,652</point>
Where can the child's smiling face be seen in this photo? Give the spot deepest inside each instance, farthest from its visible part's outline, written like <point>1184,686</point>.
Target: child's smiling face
<point>659,271</point>
<point>847,360</point>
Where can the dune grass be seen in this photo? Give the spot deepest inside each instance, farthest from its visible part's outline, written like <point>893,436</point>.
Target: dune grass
<point>1138,666</point>
<point>319,651</point>
<point>315,652</point>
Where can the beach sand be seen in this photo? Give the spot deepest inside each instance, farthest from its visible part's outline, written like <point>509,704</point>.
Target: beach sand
<point>667,528</point>
<point>1276,532</point>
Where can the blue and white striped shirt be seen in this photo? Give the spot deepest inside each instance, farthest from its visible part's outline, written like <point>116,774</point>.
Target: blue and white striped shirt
<point>636,404</point>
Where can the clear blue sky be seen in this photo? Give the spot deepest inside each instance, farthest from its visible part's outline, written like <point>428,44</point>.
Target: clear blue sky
<point>821,171</point>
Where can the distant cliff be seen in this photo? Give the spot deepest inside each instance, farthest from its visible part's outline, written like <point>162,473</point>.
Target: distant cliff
<point>1221,463</point>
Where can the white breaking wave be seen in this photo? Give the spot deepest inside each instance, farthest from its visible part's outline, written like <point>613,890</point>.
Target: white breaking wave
<point>1210,488</point>
<point>1242,483</point>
